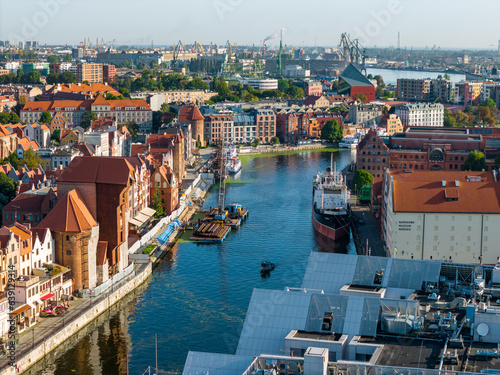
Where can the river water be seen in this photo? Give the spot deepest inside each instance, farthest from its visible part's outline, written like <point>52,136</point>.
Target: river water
<point>197,299</point>
<point>391,76</point>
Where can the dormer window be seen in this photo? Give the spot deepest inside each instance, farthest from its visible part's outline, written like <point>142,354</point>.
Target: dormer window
<point>58,108</point>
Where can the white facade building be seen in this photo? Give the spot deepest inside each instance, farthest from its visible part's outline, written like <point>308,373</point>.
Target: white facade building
<point>431,215</point>
<point>421,114</point>
<point>43,248</point>
<point>261,84</point>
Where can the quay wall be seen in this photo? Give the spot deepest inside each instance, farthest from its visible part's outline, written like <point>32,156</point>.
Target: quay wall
<point>58,337</point>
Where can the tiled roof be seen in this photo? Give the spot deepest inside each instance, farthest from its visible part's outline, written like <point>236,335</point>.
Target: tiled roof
<point>100,100</point>
<point>83,88</point>
<point>98,169</point>
<point>84,149</point>
<point>190,113</point>
<point>423,191</point>
<point>20,230</point>
<point>69,215</point>
<point>61,105</point>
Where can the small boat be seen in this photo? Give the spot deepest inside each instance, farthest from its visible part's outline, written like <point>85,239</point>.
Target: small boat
<point>348,142</point>
<point>266,267</point>
<point>234,165</point>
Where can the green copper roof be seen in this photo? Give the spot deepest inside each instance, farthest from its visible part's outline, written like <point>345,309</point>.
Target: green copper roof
<point>354,77</point>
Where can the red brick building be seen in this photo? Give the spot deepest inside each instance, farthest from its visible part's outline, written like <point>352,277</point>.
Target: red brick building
<point>352,82</point>
<point>373,155</point>
<point>104,183</point>
<point>108,73</point>
<point>163,181</point>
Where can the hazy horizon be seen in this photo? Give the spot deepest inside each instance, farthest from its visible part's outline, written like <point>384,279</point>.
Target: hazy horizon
<point>421,24</point>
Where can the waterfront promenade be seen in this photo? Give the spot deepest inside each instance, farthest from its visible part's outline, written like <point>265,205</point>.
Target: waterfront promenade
<point>36,342</point>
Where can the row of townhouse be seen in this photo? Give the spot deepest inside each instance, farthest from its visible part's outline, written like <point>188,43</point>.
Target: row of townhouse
<point>294,124</point>
<point>30,281</point>
<point>240,127</point>
<point>124,111</point>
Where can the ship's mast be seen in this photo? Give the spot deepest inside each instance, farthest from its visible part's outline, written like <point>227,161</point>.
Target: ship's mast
<point>222,175</point>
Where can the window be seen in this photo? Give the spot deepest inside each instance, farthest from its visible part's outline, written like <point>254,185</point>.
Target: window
<point>68,252</point>
<point>452,228</point>
<point>468,238</point>
<point>452,238</point>
<point>436,228</point>
<point>435,238</point>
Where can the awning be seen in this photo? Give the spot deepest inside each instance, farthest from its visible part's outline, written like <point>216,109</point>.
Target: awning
<point>21,309</point>
<point>144,215</point>
<point>47,296</point>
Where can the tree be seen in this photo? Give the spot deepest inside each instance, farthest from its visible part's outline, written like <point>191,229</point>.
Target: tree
<point>475,161</point>
<point>45,118</point>
<point>9,118</point>
<point>165,108</point>
<point>361,177</point>
<point>275,141</point>
<point>490,103</point>
<point>331,131</point>
<point>53,59</point>
<point>7,185</point>
<point>87,118</point>
<point>67,77</point>
<point>256,142</point>
<point>447,77</point>
<point>67,58</point>
<point>132,128</point>
<point>52,78</point>
<point>31,159</point>
<point>125,92</point>
<point>56,135</point>
<point>295,92</point>
<point>283,85</point>
<point>156,204</point>
<point>380,80</point>
<point>361,97</point>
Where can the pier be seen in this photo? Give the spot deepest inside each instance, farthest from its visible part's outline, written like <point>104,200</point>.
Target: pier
<point>215,226</point>
<point>366,236</point>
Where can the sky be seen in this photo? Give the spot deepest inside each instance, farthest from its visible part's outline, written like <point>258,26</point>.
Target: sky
<point>421,23</point>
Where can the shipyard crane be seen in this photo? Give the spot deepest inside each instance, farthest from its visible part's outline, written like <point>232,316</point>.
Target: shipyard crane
<point>200,48</point>
<point>352,50</point>
<point>177,50</point>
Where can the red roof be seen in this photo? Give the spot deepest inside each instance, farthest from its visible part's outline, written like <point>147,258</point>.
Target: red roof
<point>190,113</point>
<point>98,169</point>
<point>69,215</point>
<point>423,191</point>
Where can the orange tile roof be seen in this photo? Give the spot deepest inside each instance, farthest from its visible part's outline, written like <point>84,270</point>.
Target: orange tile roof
<point>69,215</point>
<point>422,191</point>
<point>129,103</point>
<point>83,88</point>
<point>100,100</point>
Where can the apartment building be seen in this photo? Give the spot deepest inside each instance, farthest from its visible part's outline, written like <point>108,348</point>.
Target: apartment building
<point>421,114</point>
<point>137,111</point>
<point>424,90</point>
<point>467,92</point>
<point>365,114</point>
<point>89,72</point>
<point>265,120</point>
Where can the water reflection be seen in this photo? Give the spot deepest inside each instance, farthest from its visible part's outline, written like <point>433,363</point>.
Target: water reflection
<point>198,296</point>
